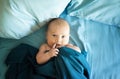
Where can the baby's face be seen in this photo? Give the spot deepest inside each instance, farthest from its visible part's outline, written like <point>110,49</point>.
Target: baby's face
<point>58,34</point>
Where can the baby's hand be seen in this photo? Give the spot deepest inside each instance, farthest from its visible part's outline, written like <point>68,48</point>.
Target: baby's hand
<point>53,51</point>
<point>73,47</point>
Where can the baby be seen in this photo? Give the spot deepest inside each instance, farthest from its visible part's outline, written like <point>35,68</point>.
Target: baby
<point>57,36</point>
<point>56,59</point>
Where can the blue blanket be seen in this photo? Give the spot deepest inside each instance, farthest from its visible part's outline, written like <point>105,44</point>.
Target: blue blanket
<point>69,64</point>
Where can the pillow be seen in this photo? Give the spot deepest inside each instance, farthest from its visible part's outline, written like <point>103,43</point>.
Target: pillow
<point>19,18</point>
<point>104,11</point>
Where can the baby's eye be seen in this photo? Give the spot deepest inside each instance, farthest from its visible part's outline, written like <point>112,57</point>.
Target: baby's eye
<point>63,36</point>
<point>54,35</point>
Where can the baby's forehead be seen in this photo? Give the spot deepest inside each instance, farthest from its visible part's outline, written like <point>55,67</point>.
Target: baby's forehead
<point>58,22</point>
<point>59,28</point>
<point>59,31</point>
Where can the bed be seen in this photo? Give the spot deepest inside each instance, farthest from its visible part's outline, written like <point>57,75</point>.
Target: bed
<point>95,28</point>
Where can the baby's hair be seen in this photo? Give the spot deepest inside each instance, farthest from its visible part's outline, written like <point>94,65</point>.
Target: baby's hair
<point>53,19</point>
<point>58,20</point>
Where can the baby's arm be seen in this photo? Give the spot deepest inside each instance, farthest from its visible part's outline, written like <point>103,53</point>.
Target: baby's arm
<point>45,53</point>
<point>73,47</point>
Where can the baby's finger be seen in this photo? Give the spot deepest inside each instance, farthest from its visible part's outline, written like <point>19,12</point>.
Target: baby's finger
<point>54,45</point>
<point>56,53</point>
<point>57,50</point>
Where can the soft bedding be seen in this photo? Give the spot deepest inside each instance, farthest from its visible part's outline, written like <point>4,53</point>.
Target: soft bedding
<point>103,11</point>
<point>69,64</point>
<point>98,35</point>
<point>19,18</point>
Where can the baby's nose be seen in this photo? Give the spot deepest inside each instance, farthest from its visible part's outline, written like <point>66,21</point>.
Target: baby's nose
<point>58,44</point>
<point>58,40</point>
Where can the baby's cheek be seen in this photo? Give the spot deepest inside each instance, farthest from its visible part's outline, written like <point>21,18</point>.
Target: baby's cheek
<point>51,43</point>
<point>65,42</point>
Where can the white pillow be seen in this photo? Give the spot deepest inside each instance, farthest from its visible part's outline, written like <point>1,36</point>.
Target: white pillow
<point>19,18</point>
<point>104,11</point>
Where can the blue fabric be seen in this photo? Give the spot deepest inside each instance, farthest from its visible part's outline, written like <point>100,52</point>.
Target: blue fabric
<point>102,43</point>
<point>69,64</point>
<point>103,11</point>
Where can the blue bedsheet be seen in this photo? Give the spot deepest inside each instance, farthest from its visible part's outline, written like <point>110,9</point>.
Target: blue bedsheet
<point>69,64</point>
<point>102,43</point>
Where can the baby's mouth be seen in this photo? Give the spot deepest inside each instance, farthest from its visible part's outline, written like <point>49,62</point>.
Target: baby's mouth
<point>58,46</point>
